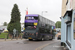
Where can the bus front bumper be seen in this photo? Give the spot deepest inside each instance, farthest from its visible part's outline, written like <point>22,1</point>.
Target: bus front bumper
<point>31,37</point>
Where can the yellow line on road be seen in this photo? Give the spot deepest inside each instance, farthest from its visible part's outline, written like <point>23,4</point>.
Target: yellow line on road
<point>40,48</point>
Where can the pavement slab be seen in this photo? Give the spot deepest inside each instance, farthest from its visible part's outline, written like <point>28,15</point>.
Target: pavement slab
<point>54,46</point>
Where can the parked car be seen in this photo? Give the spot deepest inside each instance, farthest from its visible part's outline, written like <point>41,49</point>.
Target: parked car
<point>5,31</point>
<point>59,37</point>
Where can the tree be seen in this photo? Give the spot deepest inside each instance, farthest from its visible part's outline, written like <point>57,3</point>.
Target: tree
<point>58,24</point>
<point>5,24</point>
<point>15,20</point>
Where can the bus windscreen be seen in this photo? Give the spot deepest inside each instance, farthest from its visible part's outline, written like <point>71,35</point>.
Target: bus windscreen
<point>31,22</point>
<point>30,26</point>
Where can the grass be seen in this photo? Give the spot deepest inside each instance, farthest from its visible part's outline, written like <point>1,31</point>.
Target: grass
<point>2,35</point>
<point>21,34</point>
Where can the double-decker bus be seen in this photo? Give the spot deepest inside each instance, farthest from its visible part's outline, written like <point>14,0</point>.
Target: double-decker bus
<point>38,27</point>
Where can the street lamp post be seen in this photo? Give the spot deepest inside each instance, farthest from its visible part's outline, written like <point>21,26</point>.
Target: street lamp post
<point>43,12</point>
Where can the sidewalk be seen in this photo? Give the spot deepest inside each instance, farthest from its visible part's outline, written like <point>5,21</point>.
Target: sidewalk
<point>1,40</point>
<point>54,46</point>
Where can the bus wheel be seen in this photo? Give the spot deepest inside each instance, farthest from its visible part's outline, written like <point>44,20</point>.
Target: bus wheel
<point>51,39</point>
<point>30,39</point>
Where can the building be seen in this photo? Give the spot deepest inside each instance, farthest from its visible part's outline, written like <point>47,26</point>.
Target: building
<point>3,27</point>
<point>68,24</point>
<point>63,7</point>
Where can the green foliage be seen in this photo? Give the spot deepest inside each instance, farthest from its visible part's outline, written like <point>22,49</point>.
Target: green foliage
<point>58,24</point>
<point>15,20</point>
<point>5,24</point>
<point>2,35</point>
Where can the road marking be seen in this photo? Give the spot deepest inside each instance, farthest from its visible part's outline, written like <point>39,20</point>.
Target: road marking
<point>41,47</point>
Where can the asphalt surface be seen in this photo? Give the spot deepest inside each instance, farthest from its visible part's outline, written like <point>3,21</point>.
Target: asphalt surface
<point>54,46</point>
<point>22,44</point>
<point>30,45</point>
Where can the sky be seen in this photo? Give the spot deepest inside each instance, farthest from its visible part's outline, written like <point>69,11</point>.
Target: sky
<point>53,8</point>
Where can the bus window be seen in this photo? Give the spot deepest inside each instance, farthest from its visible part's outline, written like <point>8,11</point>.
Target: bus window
<point>30,26</point>
<point>36,18</point>
<point>31,18</point>
<point>41,30</point>
<point>26,18</point>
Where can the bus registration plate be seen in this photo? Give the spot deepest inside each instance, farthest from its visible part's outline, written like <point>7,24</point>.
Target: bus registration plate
<point>29,38</point>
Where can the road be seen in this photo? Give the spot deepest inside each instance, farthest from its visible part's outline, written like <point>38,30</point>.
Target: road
<point>23,44</point>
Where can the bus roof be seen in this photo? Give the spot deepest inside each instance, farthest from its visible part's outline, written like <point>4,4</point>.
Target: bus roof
<point>32,15</point>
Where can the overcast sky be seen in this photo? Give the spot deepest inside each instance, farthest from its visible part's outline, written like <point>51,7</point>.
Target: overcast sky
<point>53,8</point>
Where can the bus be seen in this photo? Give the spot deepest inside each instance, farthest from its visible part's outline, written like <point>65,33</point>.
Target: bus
<point>38,27</point>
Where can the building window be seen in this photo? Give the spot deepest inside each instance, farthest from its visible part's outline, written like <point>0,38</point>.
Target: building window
<point>67,2</point>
